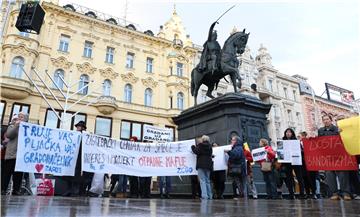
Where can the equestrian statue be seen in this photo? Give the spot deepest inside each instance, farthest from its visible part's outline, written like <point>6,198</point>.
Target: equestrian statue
<point>216,63</point>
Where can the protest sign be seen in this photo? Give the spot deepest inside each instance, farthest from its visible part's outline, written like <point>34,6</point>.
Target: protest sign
<point>220,162</point>
<point>259,154</point>
<point>350,134</point>
<point>152,133</point>
<point>46,150</point>
<point>327,153</point>
<point>107,155</point>
<point>44,187</point>
<point>289,151</point>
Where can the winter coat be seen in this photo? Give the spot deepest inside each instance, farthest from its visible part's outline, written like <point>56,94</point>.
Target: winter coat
<point>270,154</point>
<point>237,158</point>
<point>203,152</point>
<point>11,147</point>
<point>332,130</point>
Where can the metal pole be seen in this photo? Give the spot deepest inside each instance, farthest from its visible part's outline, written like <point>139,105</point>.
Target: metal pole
<point>43,96</point>
<point>66,102</point>
<point>62,93</point>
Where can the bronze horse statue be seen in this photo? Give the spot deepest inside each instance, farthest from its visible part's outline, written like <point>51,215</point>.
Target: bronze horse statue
<point>233,46</point>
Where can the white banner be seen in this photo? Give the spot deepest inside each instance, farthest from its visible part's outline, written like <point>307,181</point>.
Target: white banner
<point>106,155</point>
<point>47,150</point>
<point>220,161</point>
<point>259,154</point>
<point>151,133</point>
<point>289,151</point>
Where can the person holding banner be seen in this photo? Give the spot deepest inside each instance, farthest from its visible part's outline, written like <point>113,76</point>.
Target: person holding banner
<point>204,165</point>
<point>268,173</point>
<point>237,165</point>
<point>134,180</point>
<point>10,155</point>
<point>331,130</point>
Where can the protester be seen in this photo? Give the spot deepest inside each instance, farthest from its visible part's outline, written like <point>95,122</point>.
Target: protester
<point>4,141</point>
<point>165,182</point>
<point>289,134</point>
<point>268,174</point>
<point>121,186</point>
<point>75,184</point>
<point>204,165</point>
<point>309,177</point>
<point>237,166</point>
<point>10,155</point>
<point>331,130</point>
<point>218,177</point>
<point>134,180</point>
<point>195,187</point>
<point>250,181</point>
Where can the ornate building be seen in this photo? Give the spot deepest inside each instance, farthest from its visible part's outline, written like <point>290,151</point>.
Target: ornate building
<point>314,107</point>
<point>134,77</point>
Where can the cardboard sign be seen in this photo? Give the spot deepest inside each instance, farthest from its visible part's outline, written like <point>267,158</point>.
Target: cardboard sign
<point>259,154</point>
<point>289,151</point>
<point>157,134</point>
<point>47,150</point>
<point>327,153</point>
<point>44,187</point>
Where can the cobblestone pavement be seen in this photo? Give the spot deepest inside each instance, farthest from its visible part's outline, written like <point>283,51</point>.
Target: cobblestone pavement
<point>32,206</point>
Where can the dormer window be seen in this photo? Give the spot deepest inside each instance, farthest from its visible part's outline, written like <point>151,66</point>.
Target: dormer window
<point>131,26</point>
<point>69,7</point>
<point>91,14</point>
<point>112,21</point>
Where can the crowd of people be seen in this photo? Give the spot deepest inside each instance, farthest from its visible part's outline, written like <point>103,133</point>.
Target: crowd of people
<point>208,184</point>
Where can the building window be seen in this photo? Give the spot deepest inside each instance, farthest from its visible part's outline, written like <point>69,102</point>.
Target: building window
<point>24,34</point>
<point>130,128</point>
<point>271,85</point>
<point>59,79</point>
<point>179,69</point>
<point>128,93</point>
<point>19,107</point>
<point>170,102</point>
<point>294,95</point>
<point>148,97</point>
<point>84,81</point>
<point>64,43</point>
<point>149,65</point>
<point>171,70</point>
<point>17,67</point>
<point>52,121</point>
<point>180,101</point>
<point>107,88</point>
<point>2,110</point>
<point>109,58</point>
<point>103,126</point>
<point>285,93</point>
<point>88,49</point>
<point>290,118</point>
<point>130,60</point>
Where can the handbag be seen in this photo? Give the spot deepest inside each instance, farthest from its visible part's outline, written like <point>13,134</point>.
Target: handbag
<point>266,166</point>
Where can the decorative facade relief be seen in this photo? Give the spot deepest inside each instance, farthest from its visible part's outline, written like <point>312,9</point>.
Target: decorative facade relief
<point>86,68</point>
<point>149,82</point>
<point>61,62</point>
<point>129,78</point>
<point>108,73</point>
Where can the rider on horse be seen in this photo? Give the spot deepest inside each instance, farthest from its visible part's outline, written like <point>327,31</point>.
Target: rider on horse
<point>210,59</point>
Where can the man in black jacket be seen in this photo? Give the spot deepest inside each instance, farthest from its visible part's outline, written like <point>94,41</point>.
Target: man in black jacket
<point>331,130</point>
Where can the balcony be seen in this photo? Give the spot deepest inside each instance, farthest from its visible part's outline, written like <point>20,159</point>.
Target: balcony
<point>177,43</point>
<point>106,104</point>
<point>15,88</point>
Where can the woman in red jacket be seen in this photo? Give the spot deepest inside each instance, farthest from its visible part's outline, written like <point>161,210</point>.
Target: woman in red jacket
<point>269,176</point>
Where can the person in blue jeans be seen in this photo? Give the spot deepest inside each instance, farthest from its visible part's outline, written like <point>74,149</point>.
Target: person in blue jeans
<point>204,165</point>
<point>165,181</point>
<point>121,186</point>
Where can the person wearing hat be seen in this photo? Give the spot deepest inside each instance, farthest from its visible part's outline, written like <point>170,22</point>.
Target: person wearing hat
<point>80,126</point>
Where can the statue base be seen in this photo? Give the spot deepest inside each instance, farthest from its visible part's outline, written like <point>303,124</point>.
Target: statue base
<point>220,119</point>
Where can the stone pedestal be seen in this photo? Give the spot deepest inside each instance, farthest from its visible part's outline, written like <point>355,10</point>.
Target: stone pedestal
<point>220,119</point>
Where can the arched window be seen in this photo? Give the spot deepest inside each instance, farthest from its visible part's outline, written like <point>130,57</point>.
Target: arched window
<point>84,80</point>
<point>107,87</point>
<point>148,97</point>
<point>128,93</point>
<point>180,101</point>
<point>17,67</point>
<point>58,78</point>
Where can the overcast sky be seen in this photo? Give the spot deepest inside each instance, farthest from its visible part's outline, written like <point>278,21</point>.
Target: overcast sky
<point>317,39</point>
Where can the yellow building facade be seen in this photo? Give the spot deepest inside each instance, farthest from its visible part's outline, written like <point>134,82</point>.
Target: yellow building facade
<point>134,77</point>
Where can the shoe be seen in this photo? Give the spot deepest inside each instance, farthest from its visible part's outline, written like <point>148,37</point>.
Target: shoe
<point>291,197</point>
<point>120,195</point>
<point>91,194</point>
<point>302,197</point>
<point>314,197</point>
<point>254,197</point>
<point>162,196</point>
<point>167,196</point>
<point>347,197</point>
<point>357,197</point>
<point>236,198</point>
<point>335,197</point>
<point>16,193</point>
